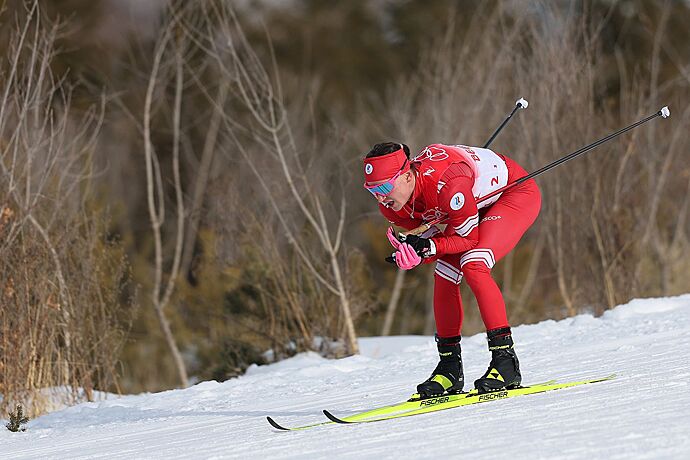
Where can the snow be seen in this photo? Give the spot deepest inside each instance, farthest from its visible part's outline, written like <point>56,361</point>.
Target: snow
<point>640,414</point>
<point>56,398</point>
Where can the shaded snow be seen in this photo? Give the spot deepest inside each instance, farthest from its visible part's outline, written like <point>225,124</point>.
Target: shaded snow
<point>58,398</point>
<point>640,414</point>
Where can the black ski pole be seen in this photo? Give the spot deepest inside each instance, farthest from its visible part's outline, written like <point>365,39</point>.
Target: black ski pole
<point>664,113</point>
<point>519,104</point>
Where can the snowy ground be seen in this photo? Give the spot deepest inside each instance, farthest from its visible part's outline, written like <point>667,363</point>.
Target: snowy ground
<point>640,414</point>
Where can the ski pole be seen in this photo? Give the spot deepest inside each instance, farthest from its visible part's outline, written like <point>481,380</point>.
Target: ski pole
<point>664,113</point>
<point>519,104</point>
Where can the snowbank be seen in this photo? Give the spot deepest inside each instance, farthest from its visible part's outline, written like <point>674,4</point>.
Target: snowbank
<point>639,414</point>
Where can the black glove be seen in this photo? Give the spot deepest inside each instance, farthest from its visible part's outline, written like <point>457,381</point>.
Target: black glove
<point>422,246</point>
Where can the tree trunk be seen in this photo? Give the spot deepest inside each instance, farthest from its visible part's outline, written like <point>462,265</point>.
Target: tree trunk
<point>393,303</point>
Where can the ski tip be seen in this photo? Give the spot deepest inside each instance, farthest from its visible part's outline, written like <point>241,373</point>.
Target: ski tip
<point>522,103</point>
<point>602,379</point>
<point>664,112</point>
<point>333,418</point>
<point>275,425</point>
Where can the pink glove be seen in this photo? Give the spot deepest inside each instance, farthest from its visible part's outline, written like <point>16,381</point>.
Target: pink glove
<point>391,237</point>
<point>406,257</point>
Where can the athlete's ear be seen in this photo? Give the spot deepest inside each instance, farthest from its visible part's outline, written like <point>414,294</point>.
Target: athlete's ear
<point>408,176</point>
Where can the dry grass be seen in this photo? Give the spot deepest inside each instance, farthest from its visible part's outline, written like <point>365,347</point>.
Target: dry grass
<point>59,277</point>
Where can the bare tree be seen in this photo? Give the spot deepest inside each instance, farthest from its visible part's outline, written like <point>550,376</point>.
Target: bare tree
<point>393,302</point>
<point>268,127</point>
<point>161,293</point>
<point>59,277</point>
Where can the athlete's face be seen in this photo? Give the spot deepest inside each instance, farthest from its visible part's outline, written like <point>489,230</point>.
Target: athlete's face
<point>403,186</point>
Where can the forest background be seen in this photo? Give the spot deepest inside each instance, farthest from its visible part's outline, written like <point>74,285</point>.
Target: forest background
<point>181,184</point>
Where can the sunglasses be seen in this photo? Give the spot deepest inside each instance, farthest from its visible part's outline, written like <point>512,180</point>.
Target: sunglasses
<point>384,189</point>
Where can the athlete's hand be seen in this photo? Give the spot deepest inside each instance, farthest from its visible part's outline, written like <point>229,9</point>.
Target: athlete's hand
<point>406,257</point>
<point>424,247</point>
<point>395,242</point>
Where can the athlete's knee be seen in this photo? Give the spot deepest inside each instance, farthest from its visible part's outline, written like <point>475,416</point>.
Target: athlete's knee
<point>448,272</point>
<point>480,260</point>
<point>476,265</point>
<point>475,273</point>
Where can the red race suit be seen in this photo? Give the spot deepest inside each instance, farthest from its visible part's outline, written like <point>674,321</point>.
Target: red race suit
<point>449,181</point>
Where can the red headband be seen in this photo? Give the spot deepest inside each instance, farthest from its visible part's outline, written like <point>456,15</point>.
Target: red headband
<point>384,167</point>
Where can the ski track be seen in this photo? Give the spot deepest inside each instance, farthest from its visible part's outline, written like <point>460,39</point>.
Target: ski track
<point>639,414</point>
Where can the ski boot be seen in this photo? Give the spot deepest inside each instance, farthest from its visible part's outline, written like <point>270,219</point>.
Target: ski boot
<point>504,368</point>
<point>447,378</point>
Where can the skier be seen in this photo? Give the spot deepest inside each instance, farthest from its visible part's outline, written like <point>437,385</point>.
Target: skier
<point>447,180</point>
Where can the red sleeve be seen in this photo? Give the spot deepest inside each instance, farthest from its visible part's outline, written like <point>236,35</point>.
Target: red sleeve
<point>455,198</point>
<point>394,218</point>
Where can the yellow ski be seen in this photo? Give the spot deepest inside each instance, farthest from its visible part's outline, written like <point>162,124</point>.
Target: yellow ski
<point>448,402</point>
<point>422,406</point>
